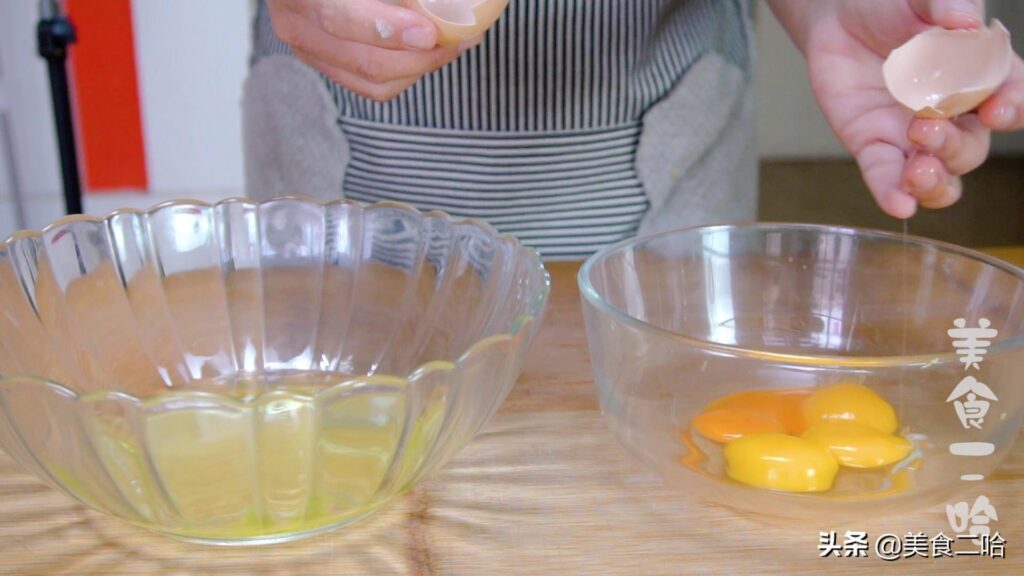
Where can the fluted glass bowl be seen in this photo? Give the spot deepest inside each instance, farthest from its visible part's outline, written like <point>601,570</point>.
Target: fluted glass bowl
<point>678,320</point>
<point>255,372</point>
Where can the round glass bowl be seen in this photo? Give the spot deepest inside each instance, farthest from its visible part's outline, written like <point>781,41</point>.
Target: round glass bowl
<point>678,320</point>
<point>255,372</point>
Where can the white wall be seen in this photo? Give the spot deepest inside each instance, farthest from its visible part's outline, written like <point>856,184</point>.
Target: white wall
<point>29,112</point>
<point>789,123</point>
<point>192,59</point>
<point>192,56</point>
<point>8,219</point>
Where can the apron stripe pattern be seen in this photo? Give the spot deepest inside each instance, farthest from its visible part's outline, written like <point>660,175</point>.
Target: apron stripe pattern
<point>536,129</point>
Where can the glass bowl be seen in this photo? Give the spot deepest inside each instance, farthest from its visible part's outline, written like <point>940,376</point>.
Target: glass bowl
<point>680,319</point>
<point>255,372</point>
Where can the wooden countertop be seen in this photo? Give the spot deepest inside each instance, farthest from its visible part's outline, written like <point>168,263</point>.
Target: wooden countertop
<point>545,489</point>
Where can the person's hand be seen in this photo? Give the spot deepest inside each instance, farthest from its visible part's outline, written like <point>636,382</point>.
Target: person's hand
<point>906,161</point>
<point>370,47</point>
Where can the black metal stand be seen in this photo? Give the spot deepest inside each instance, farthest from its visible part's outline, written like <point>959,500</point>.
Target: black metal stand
<point>55,33</point>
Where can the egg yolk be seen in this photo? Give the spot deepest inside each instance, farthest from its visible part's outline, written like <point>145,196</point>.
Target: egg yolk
<point>850,402</point>
<point>786,405</point>
<point>780,462</point>
<point>725,424</point>
<point>858,446</point>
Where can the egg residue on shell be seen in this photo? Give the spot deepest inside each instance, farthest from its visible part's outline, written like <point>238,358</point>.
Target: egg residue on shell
<point>460,20</point>
<point>944,73</point>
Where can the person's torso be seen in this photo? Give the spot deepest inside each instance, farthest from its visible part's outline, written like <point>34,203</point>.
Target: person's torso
<point>536,129</point>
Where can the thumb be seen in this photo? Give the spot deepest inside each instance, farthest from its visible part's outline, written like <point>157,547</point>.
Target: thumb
<point>950,13</point>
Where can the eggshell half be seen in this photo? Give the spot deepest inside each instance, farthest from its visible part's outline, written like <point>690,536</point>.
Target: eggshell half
<point>944,73</point>
<point>459,20</point>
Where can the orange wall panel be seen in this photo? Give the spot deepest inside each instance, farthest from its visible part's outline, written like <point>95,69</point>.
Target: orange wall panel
<point>106,96</point>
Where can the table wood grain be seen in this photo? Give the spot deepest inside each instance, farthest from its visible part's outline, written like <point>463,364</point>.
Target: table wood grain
<point>545,489</point>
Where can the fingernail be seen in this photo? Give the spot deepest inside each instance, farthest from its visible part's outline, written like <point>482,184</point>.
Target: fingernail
<point>964,13</point>
<point>930,136</point>
<point>964,20</point>
<point>1004,117</point>
<point>419,37</point>
<point>926,179</point>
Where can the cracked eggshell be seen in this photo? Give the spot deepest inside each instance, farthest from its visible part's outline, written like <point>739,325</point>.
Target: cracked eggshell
<point>944,73</point>
<point>459,20</point>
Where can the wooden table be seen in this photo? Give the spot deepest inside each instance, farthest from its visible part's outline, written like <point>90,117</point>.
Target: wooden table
<point>545,489</point>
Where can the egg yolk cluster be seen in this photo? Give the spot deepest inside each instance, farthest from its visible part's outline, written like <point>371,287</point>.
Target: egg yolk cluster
<point>796,440</point>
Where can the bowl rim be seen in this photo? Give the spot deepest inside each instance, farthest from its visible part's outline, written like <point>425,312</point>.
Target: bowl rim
<point>591,295</point>
<point>532,320</point>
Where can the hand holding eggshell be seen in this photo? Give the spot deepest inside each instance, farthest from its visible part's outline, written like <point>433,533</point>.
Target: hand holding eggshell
<point>915,116</point>
<point>375,48</point>
<point>945,73</point>
<point>944,76</point>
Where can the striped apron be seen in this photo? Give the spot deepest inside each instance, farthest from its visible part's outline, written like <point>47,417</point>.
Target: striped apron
<point>535,130</point>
